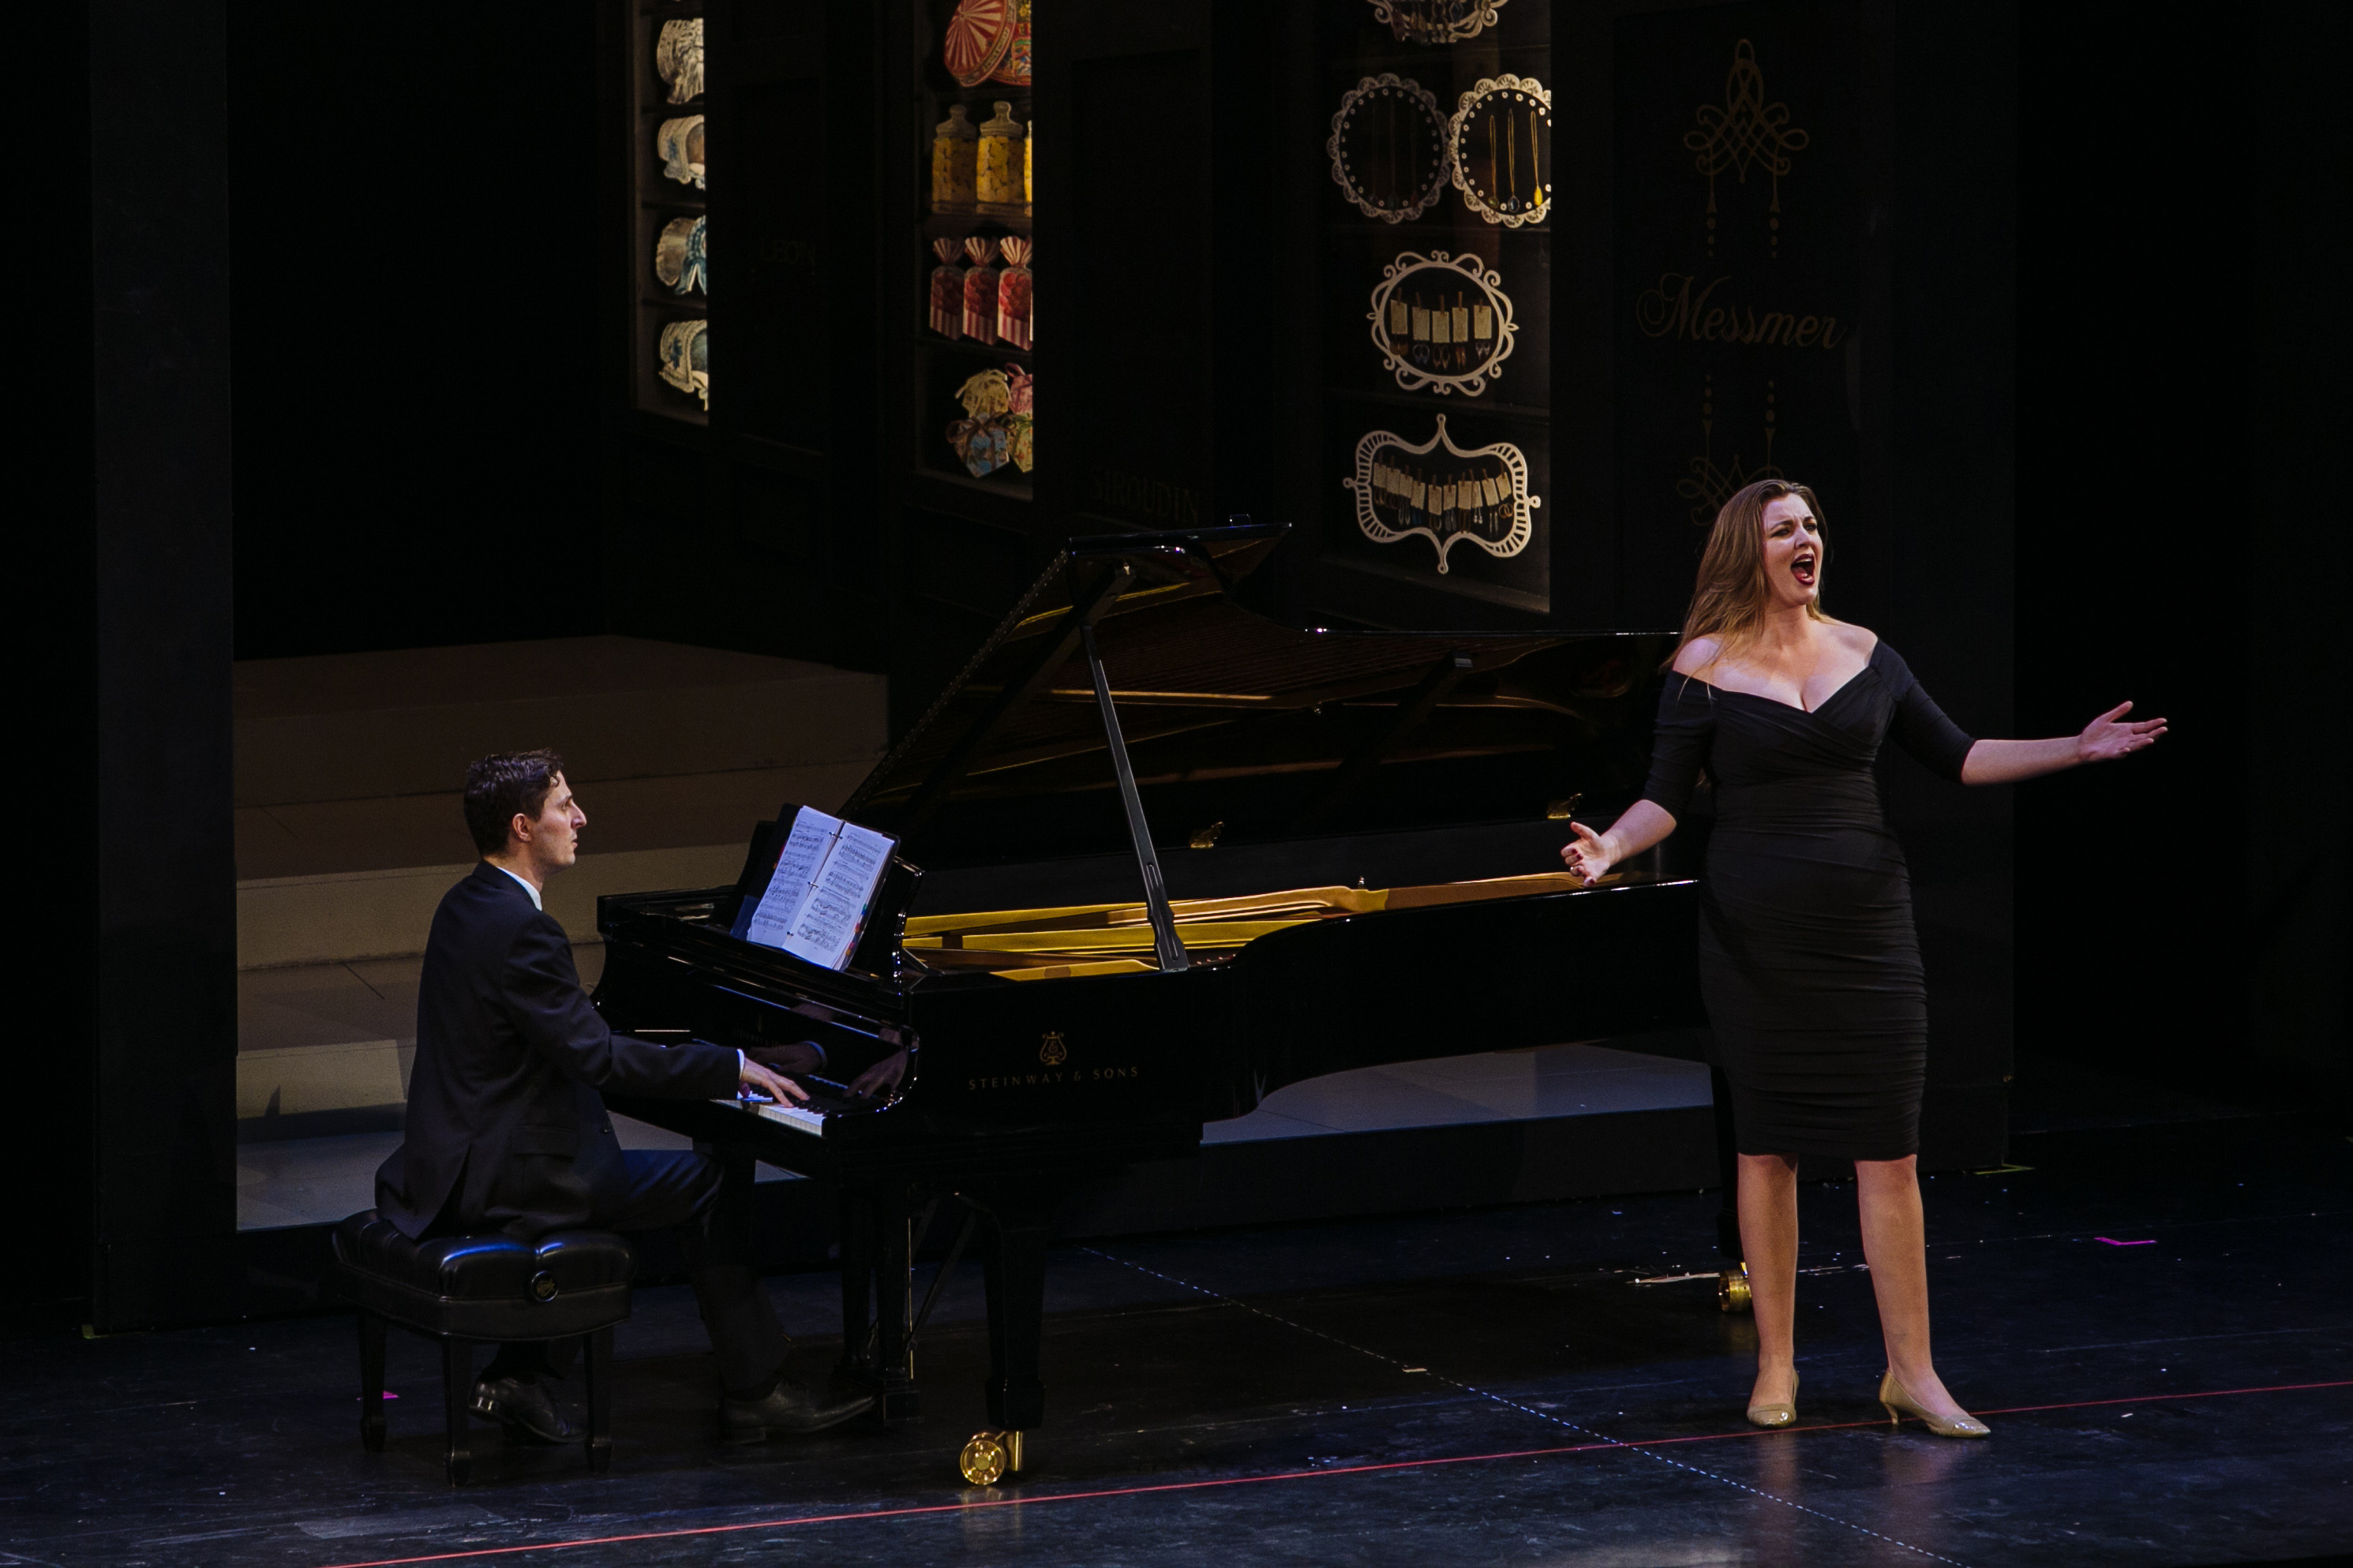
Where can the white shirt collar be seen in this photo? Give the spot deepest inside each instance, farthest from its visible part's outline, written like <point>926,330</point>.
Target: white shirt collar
<point>526,887</point>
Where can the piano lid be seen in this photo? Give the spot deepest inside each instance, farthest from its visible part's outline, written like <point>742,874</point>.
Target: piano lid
<point>1256,729</point>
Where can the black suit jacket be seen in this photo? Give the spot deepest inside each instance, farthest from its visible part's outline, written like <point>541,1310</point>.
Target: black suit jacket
<point>506,1131</point>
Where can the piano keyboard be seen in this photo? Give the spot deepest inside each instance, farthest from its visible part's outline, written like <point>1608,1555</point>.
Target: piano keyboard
<point>798,1117</point>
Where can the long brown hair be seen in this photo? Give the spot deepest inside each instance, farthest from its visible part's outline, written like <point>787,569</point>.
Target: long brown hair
<point>1729,599</point>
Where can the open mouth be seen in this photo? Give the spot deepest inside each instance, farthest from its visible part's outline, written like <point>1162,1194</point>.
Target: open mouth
<point>1803,569</point>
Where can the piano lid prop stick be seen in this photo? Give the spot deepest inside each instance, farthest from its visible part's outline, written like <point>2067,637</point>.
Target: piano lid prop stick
<point>1166,944</point>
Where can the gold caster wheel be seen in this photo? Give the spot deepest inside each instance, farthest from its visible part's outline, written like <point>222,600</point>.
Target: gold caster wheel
<point>1731,1289</point>
<point>989,1457</point>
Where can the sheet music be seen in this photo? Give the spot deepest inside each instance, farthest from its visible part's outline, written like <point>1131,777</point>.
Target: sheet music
<point>834,918</point>
<point>779,913</point>
<point>822,889</point>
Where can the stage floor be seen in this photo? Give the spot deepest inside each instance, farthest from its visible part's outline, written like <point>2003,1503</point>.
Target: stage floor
<point>2152,1317</point>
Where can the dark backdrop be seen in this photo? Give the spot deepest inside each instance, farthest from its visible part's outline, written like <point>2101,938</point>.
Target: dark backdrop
<point>413,193</point>
<point>2182,543</point>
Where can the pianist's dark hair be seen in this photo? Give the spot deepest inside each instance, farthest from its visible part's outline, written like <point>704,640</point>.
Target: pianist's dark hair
<point>1729,600</point>
<point>500,786</point>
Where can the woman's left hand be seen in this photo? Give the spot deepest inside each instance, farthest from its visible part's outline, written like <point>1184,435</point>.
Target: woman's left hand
<point>2107,737</point>
<point>1589,855</point>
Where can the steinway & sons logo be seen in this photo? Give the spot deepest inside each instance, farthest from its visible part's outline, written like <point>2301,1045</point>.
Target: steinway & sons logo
<point>1053,1051</point>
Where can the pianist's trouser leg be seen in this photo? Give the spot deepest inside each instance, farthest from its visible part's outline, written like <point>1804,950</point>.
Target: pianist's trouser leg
<point>711,1210</point>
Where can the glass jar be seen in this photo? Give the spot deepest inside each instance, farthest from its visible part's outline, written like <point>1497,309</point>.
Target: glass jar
<point>954,141</point>
<point>1000,178</point>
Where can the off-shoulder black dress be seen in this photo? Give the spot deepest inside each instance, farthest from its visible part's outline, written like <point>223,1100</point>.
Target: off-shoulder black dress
<point>1807,959</point>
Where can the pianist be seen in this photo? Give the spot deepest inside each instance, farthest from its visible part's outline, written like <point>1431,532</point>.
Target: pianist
<point>506,1131</point>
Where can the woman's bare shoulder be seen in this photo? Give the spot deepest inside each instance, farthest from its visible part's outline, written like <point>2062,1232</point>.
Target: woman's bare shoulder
<point>1859,640</point>
<point>1697,655</point>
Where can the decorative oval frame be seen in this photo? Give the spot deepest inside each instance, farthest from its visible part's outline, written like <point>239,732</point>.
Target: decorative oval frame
<point>1458,269</point>
<point>675,351</point>
<point>1392,13</point>
<point>1530,90</point>
<point>1515,464</point>
<point>1425,102</point>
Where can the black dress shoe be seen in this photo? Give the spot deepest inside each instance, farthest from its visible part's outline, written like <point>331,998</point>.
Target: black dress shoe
<point>523,1409</point>
<point>787,1408</point>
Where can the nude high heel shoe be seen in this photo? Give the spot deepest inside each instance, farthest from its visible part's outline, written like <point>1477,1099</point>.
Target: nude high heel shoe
<point>1771,1415</point>
<point>1900,1404</point>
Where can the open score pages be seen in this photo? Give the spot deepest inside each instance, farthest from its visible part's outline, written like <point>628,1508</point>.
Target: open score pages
<point>818,900</point>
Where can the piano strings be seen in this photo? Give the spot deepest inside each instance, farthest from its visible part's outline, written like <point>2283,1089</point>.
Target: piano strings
<point>1102,935</point>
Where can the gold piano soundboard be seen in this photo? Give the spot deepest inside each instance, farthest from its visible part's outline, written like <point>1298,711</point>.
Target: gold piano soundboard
<point>1116,939</point>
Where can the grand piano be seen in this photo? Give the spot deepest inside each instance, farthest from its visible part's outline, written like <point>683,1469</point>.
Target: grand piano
<point>1159,857</point>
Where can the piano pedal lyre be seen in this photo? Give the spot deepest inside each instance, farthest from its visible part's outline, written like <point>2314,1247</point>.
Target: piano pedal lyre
<point>990,1457</point>
<point>1732,1289</point>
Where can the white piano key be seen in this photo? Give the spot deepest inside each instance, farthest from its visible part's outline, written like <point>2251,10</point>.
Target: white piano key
<point>793,1116</point>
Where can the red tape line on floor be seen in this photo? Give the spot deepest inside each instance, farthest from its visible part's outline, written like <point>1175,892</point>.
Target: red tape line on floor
<point>915,1511</point>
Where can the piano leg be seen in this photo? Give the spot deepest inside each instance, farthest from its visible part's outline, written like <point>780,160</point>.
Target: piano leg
<point>1732,1280</point>
<point>894,1306</point>
<point>1016,1264</point>
<point>878,1298</point>
<point>857,1285</point>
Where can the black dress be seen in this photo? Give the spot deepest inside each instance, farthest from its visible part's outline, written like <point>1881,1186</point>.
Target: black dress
<point>1807,957</point>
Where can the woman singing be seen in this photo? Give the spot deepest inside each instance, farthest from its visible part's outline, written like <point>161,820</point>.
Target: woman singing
<point>1807,957</point>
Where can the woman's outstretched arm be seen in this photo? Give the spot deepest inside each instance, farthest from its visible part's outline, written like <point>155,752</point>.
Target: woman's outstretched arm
<point>1679,747</point>
<point>1590,853</point>
<point>2104,740</point>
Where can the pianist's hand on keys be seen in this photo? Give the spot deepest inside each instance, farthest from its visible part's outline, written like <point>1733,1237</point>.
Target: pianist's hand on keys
<point>754,1077</point>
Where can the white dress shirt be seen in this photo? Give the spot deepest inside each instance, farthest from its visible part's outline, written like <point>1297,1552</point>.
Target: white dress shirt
<point>527,887</point>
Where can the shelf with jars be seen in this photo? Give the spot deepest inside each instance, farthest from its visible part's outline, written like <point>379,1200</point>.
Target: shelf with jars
<point>973,227</point>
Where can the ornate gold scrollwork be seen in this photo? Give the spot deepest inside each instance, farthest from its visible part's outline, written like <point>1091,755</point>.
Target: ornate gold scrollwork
<point>1503,126</point>
<point>1389,147</point>
<point>1436,21</point>
<point>1477,494</point>
<point>1745,132</point>
<point>1457,344</point>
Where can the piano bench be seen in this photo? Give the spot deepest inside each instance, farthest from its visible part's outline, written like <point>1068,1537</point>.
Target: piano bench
<point>466,1289</point>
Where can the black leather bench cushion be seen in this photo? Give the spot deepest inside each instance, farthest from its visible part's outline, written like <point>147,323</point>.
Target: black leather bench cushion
<point>486,1287</point>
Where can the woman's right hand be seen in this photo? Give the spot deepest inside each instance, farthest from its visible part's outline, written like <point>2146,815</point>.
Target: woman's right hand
<point>1590,854</point>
